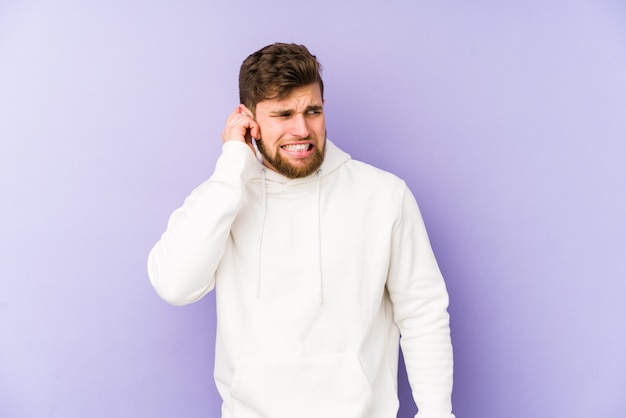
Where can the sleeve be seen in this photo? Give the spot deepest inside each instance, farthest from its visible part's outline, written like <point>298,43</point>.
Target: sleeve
<point>420,302</point>
<point>182,264</point>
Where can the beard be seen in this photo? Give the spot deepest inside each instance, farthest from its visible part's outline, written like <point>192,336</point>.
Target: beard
<point>286,168</point>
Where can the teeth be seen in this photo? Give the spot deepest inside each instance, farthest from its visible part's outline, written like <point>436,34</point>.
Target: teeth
<point>296,147</point>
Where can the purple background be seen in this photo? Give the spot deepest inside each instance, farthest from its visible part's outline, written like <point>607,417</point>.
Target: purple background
<point>506,119</point>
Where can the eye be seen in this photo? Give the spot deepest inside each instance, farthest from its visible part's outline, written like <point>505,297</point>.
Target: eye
<point>313,112</point>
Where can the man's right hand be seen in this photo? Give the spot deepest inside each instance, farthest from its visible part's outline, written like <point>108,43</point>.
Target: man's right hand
<point>241,126</point>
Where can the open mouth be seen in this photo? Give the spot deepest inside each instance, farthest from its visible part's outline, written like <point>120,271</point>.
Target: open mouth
<point>297,147</point>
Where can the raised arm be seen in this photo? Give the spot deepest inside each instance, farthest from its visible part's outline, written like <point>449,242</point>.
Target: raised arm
<point>183,262</point>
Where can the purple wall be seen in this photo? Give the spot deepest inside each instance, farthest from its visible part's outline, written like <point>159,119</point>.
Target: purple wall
<point>506,120</point>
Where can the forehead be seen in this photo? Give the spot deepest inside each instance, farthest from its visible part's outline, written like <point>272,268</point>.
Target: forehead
<point>298,98</point>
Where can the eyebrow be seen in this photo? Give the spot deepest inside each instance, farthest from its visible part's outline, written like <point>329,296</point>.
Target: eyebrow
<point>282,112</point>
<point>314,107</point>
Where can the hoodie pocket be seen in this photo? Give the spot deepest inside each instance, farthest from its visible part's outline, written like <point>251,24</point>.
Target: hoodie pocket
<point>310,387</point>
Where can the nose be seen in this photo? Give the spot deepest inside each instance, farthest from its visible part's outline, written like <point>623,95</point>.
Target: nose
<point>300,126</point>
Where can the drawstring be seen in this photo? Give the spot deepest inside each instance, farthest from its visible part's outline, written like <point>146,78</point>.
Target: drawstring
<point>263,212</point>
<point>319,235</point>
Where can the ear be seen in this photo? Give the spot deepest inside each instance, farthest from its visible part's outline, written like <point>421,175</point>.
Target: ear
<point>243,109</point>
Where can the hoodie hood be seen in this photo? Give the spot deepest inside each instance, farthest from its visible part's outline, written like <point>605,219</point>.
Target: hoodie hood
<point>333,159</point>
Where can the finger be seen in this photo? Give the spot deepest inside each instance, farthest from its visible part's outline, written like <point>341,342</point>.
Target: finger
<point>255,130</point>
<point>241,126</point>
<point>254,126</point>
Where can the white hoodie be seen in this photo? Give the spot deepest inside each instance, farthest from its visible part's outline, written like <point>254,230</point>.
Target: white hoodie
<point>315,278</point>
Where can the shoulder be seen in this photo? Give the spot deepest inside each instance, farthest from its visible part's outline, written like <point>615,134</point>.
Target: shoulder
<point>374,175</point>
<point>341,169</point>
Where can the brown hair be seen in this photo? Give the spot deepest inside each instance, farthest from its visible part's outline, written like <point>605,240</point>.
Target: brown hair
<point>273,71</point>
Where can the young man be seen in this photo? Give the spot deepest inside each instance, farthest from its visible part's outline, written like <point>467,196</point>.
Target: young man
<point>319,262</point>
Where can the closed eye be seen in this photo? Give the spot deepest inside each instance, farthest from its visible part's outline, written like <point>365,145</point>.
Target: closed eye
<point>284,114</point>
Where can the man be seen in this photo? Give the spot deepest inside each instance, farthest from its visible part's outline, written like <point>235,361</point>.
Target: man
<point>319,263</point>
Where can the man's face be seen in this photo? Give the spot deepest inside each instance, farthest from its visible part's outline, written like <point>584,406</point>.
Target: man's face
<point>293,132</point>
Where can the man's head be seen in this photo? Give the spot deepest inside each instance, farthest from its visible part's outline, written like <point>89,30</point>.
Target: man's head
<point>282,86</point>
<point>273,71</point>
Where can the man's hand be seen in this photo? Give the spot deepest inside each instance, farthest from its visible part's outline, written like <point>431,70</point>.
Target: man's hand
<point>241,126</point>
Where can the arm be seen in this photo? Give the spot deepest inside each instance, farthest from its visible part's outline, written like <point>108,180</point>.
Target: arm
<point>420,302</point>
<point>182,264</point>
